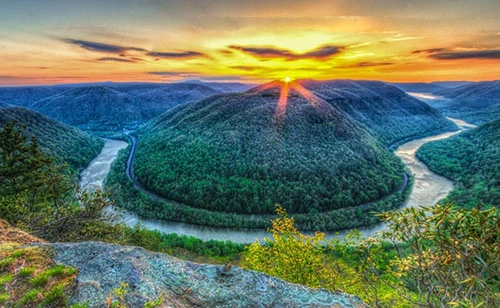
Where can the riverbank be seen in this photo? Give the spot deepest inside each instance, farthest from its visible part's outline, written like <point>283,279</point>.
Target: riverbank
<point>428,189</point>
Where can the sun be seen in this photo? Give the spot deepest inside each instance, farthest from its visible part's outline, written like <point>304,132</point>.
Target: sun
<point>287,79</point>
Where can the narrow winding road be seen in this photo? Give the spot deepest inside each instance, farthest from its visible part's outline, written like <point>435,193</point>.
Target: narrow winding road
<point>428,187</point>
<point>129,171</point>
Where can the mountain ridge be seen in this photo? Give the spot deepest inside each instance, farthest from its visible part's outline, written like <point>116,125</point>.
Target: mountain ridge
<point>246,140</point>
<point>73,146</point>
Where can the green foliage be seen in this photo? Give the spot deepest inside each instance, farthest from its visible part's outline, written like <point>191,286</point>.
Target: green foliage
<point>28,297</point>
<point>4,297</point>
<point>186,247</point>
<point>335,265</point>
<point>4,279</point>
<point>65,143</point>
<point>54,295</point>
<point>229,154</point>
<point>389,114</point>
<point>472,160</point>
<point>290,255</point>
<point>41,278</point>
<point>432,257</point>
<point>49,287</point>
<point>26,271</point>
<point>453,258</point>
<point>36,194</point>
<point>477,103</point>
<point>126,195</point>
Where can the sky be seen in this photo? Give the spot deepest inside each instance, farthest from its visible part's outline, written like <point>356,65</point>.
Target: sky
<point>66,41</point>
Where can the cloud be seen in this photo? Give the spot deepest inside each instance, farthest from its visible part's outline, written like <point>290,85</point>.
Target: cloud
<point>321,52</point>
<point>400,37</point>
<point>461,55</point>
<point>101,47</point>
<point>246,68</point>
<point>176,74</point>
<point>366,64</point>
<point>123,60</point>
<point>430,50</point>
<point>176,55</point>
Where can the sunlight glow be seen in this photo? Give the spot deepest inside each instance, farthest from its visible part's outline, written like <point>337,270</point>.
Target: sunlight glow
<point>286,85</point>
<point>280,112</point>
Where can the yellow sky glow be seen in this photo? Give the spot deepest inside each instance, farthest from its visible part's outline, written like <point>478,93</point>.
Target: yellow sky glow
<point>163,41</point>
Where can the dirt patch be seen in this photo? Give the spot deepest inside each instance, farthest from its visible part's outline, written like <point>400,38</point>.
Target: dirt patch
<point>9,234</point>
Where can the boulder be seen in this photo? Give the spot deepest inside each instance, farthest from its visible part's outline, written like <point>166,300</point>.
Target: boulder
<point>102,267</point>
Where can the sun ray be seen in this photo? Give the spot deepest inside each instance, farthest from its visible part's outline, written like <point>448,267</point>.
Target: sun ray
<point>308,95</point>
<point>280,112</point>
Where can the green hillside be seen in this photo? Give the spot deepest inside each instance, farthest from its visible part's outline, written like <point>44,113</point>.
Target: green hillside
<point>64,142</point>
<point>387,112</point>
<point>477,103</point>
<point>472,160</point>
<point>233,153</point>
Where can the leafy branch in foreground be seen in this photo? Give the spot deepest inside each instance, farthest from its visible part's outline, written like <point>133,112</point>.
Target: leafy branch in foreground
<point>454,254</point>
<point>434,257</point>
<point>37,194</point>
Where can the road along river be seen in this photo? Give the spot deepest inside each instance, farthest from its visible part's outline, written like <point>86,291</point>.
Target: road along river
<point>427,190</point>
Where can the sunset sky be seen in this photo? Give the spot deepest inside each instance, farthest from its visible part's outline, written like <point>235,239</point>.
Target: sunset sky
<point>65,41</point>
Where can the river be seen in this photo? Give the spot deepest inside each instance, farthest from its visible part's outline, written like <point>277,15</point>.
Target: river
<point>427,190</point>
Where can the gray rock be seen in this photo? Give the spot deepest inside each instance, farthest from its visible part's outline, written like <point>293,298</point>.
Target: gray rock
<point>150,275</point>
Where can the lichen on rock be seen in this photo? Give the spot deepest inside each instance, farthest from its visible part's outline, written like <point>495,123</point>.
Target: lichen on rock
<point>151,275</point>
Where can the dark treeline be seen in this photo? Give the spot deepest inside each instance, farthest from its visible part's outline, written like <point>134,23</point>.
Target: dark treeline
<point>126,196</point>
<point>65,143</point>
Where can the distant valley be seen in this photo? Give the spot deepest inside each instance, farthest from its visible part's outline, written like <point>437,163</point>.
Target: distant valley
<point>110,107</point>
<point>322,149</point>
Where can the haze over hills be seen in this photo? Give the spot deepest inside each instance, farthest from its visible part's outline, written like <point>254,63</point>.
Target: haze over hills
<point>419,87</point>
<point>477,103</point>
<point>472,160</point>
<point>27,96</point>
<point>387,112</point>
<point>244,152</point>
<point>110,106</point>
<point>225,87</point>
<point>67,143</point>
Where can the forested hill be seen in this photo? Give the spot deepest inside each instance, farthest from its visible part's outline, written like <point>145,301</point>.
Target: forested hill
<point>108,106</point>
<point>67,143</point>
<point>472,160</point>
<point>113,108</point>
<point>477,103</point>
<point>244,152</point>
<point>26,96</point>
<point>387,112</point>
<point>419,87</point>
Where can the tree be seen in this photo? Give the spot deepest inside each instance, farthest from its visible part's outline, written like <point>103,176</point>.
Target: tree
<point>37,195</point>
<point>290,255</point>
<point>453,257</point>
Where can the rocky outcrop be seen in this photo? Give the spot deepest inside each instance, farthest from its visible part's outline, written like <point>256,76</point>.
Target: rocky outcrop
<point>182,284</point>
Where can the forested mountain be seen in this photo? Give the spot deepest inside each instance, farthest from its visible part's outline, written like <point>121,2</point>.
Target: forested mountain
<point>225,87</point>
<point>107,106</point>
<point>27,96</point>
<point>476,103</point>
<point>244,152</point>
<point>418,87</point>
<point>113,108</point>
<point>64,142</point>
<point>472,160</point>
<point>388,113</point>
<point>3,104</point>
